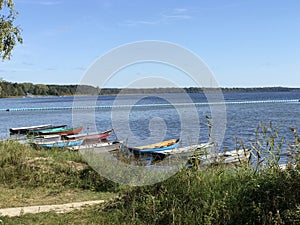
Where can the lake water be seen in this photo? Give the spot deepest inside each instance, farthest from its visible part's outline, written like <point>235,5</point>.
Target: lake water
<point>138,118</point>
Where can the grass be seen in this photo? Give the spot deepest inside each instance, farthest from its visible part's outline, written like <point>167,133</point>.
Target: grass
<point>214,196</point>
<point>262,194</point>
<point>32,177</point>
<point>21,196</point>
<point>92,215</point>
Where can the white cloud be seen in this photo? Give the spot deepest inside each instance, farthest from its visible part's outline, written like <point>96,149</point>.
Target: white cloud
<point>180,10</point>
<point>139,22</point>
<point>177,17</point>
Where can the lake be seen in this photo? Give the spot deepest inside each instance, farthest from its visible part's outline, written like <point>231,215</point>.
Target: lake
<point>141,119</point>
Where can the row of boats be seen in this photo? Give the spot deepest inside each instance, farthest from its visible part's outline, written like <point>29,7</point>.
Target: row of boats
<point>50,136</point>
<point>59,136</point>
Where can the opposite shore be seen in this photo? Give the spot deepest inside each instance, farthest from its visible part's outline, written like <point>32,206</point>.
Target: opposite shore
<point>9,89</point>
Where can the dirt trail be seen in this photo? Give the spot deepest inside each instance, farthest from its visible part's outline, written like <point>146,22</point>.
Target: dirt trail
<point>62,208</point>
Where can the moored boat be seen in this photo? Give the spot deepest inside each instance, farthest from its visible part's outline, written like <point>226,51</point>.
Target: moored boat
<point>193,150</point>
<point>90,137</point>
<point>98,147</point>
<point>226,157</point>
<point>60,131</point>
<point>160,147</point>
<point>25,130</point>
<point>46,138</point>
<point>33,129</point>
<point>58,144</point>
<point>185,152</point>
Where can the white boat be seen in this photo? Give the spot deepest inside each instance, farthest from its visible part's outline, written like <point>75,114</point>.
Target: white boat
<point>226,157</point>
<point>47,138</point>
<point>198,149</point>
<point>100,146</point>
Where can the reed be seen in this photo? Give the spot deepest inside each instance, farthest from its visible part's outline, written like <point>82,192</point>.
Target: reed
<point>260,193</point>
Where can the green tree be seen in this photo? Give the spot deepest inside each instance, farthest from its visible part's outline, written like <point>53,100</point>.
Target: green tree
<point>27,87</point>
<point>9,33</point>
<point>40,89</point>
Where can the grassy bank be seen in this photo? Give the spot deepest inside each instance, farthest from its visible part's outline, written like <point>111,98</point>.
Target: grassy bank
<point>32,177</point>
<point>265,194</point>
<point>213,196</point>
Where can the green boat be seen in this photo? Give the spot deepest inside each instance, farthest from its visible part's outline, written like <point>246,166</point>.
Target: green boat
<point>60,131</point>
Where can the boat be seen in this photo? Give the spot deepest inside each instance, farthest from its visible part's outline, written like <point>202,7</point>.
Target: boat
<point>57,144</point>
<point>185,152</point>
<point>25,130</point>
<point>60,131</point>
<point>192,150</point>
<point>90,137</point>
<point>35,132</point>
<point>33,129</point>
<point>226,157</point>
<point>50,137</point>
<point>160,147</point>
<point>98,147</point>
<point>50,127</point>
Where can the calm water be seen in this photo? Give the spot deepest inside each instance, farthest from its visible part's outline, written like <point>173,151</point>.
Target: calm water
<point>139,124</point>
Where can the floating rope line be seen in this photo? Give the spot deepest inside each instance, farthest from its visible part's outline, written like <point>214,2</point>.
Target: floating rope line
<point>95,107</point>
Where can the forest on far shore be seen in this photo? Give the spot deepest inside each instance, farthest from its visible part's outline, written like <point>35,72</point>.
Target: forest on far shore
<point>10,89</point>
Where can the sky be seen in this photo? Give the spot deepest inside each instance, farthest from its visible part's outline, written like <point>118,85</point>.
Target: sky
<point>245,43</point>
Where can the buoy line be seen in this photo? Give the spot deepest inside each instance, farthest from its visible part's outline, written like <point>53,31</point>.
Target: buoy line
<point>78,107</point>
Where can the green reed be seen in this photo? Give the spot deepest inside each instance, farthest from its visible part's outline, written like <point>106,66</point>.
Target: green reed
<point>259,194</point>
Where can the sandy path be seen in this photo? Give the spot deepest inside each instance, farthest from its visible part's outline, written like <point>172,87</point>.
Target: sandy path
<point>62,208</point>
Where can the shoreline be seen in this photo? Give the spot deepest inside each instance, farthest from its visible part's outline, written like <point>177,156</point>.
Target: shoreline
<point>189,90</point>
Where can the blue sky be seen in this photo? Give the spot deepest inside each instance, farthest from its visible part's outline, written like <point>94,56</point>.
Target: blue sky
<point>245,43</point>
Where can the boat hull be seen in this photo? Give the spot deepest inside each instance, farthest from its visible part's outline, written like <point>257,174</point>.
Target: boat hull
<point>98,147</point>
<point>160,147</point>
<point>228,157</point>
<point>25,130</point>
<point>60,131</point>
<point>59,144</point>
<point>90,137</point>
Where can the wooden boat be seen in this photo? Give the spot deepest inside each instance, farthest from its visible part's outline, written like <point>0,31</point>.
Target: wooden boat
<point>58,144</point>
<point>60,131</point>
<point>98,147</point>
<point>193,150</point>
<point>227,157</point>
<point>46,138</point>
<point>160,147</point>
<point>185,152</point>
<point>48,128</point>
<point>89,137</point>
<point>33,129</point>
<point>25,130</point>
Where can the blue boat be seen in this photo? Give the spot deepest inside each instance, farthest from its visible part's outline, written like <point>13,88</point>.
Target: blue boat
<point>58,144</point>
<point>160,147</point>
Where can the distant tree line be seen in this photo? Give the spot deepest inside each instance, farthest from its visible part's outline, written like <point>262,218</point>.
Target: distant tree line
<point>10,89</point>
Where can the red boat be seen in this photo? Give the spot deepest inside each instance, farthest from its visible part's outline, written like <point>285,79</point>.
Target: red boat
<point>91,136</point>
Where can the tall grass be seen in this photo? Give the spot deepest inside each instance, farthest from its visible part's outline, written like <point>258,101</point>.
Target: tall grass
<point>215,196</point>
<point>27,167</point>
<point>259,194</point>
